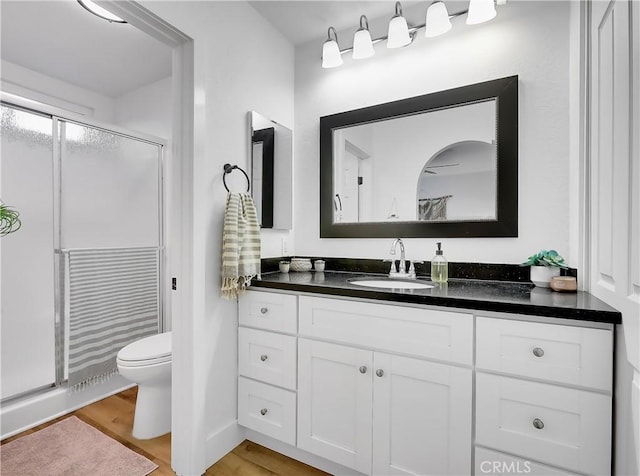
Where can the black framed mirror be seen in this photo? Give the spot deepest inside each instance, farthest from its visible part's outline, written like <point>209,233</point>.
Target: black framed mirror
<point>271,149</point>
<point>263,162</point>
<point>439,165</point>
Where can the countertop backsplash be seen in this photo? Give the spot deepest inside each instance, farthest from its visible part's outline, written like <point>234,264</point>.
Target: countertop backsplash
<point>482,271</point>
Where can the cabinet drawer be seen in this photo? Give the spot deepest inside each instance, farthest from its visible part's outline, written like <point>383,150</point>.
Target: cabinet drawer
<point>441,335</point>
<point>268,410</point>
<point>267,357</point>
<point>565,354</point>
<point>269,311</point>
<point>500,464</point>
<point>556,425</point>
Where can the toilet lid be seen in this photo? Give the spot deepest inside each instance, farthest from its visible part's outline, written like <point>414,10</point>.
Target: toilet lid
<point>156,347</point>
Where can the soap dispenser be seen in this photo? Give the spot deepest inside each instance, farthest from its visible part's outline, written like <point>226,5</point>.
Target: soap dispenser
<point>439,267</point>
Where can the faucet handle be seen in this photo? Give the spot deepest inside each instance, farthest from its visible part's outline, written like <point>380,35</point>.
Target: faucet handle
<point>412,268</point>
<point>393,269</point>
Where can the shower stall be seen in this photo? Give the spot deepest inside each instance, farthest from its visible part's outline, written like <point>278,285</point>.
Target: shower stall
<point>81,278</point>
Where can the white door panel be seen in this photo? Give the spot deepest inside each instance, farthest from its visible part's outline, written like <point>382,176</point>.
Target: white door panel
<point>421,417</point>
<point>334,403</point>
<point>614,211</point>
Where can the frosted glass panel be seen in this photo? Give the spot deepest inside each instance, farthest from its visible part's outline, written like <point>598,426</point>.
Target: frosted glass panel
<point>110,189</point>
<point>26,256</point>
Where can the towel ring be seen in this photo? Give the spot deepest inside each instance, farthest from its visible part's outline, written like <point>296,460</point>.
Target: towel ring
<point>228,168</point>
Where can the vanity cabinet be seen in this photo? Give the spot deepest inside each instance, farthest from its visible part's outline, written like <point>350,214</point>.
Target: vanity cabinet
<point>353,397</point>
<point>267,354</point>
<point>393,389</point>
<point>544,393</point>
<point>351,402</point>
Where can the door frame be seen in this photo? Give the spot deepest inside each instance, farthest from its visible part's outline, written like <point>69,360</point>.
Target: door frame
<point>188,439</point>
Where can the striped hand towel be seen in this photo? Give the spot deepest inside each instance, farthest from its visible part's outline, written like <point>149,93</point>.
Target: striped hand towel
<point>240,245</point>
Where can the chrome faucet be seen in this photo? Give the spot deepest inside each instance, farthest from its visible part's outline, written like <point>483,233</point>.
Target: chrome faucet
<point>402,271</point>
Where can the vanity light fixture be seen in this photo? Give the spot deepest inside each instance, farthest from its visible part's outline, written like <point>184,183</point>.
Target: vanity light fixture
<point>437,22</point>
<point>98,11</point>
<point>398,35</point>
<point>331,56</point>
<point>480,11</point>
<point>362,44</point>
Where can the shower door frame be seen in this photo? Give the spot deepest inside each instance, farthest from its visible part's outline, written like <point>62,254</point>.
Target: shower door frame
<point>57,114</point>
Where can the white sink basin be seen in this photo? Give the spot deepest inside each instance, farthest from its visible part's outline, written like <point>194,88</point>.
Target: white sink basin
<point>390,283</point>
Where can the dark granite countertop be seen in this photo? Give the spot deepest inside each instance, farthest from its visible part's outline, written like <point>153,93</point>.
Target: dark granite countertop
<point>497,296</point>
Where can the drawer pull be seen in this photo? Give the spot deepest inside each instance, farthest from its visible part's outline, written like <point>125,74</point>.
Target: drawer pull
<point>264,357</point>
<point>538,424</point>
<point>264,310</point>
<point>363,369</point>
<point>263,411</point>
<point>538,352</point>
<point>379,372</point>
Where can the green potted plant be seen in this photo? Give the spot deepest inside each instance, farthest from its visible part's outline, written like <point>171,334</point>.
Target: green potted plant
<point>544,266</point>
<point>9,220</point>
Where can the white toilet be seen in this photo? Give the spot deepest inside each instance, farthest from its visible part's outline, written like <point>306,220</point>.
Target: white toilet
<point>147,362</point>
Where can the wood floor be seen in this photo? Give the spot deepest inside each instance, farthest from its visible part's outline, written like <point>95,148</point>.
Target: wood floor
<point>114,417</point>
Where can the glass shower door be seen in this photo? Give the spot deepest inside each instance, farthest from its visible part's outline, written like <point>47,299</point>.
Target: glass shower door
<point>81,278</point>
<point>111,221</point>
<point>27,294</point>
<point>110,189</point>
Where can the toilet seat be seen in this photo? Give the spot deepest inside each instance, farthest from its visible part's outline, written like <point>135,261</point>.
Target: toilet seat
<point>155,349</point>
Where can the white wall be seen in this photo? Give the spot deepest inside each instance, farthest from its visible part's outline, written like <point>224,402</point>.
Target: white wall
<point>146,109</point>
<point>34,85</point>
<point>231,43</point>
<point>524,39</point>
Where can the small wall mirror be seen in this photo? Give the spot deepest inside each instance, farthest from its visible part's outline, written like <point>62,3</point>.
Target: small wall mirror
<point>439,165</point>
<point>271,146</point>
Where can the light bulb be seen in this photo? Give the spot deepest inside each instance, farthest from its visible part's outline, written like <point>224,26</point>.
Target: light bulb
<point>398,34</point>
<point>362,44</point>
<point>331,56</point>
<point>437,21</point>
<point>480,11</point>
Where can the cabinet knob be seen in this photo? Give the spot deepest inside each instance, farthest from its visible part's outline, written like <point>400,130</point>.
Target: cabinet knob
<point>379,372</point>
<point>363,369</point>
<point>538,352</point>
<point>538,423</point>
<point>264,310</point>
<point>264,357</point>
<point>263,411</point>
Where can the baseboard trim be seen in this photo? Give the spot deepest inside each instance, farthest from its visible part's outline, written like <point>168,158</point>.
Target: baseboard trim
<point>29,412</point>
<point>300,455</point>
<point>222,440</point>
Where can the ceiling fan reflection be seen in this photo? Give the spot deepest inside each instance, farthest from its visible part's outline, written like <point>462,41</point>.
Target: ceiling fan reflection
<point>427,171</point>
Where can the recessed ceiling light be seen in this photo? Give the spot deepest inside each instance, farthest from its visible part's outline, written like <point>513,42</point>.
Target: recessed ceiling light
<point>97,10</point>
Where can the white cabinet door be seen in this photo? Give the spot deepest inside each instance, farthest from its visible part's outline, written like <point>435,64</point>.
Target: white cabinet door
<point>421,417</point>
<point>334,403</point>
